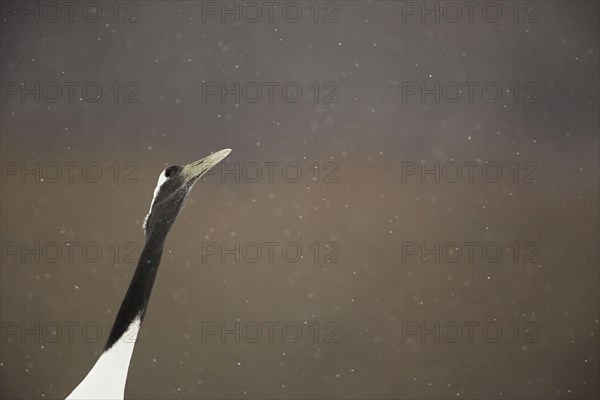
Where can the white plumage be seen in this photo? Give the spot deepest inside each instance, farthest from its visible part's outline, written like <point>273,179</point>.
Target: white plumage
<point>107,378</point>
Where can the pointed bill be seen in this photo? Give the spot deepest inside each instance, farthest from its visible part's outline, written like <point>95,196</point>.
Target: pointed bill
<point>193,171</point>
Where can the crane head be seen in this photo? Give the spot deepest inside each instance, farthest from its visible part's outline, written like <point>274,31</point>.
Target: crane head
<point>174,184</point>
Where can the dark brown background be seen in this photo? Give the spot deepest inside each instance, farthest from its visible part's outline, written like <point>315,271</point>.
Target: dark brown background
<point>370,293</point>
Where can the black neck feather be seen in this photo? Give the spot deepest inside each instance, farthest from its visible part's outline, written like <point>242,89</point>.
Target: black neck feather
<point>138,294</point>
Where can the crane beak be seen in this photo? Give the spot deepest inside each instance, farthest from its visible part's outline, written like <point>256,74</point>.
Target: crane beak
<point>193,171</point>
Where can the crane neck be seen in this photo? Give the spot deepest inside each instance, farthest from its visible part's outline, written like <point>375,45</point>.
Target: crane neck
<point>136,299</point>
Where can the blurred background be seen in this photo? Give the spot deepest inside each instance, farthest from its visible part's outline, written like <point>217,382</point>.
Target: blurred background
<point>372,307</point>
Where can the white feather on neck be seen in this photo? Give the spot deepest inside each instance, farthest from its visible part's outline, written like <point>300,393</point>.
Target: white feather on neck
<point>161,179</point>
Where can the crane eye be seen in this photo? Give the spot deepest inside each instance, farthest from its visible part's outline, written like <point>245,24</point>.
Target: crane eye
<point>172,170</point>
